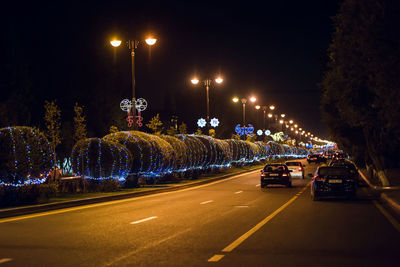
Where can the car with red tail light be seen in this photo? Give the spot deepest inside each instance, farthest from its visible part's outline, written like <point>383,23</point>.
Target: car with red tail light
<point>296,167</point>
<point>277,173</point>
<point>331,181</point>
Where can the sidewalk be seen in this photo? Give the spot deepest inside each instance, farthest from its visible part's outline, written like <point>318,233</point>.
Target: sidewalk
<point>390,195</point>
<point>24,210</point>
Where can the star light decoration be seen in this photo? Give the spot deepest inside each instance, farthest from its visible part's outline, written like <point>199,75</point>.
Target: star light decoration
<point>140,105</point>
<point>214,122</point>
<point>244,130</point>
<point>201,122</point>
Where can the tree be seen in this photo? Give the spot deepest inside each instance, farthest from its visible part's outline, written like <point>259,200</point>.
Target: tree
<point>52,118</point>
<point>79,123</point>
<point>198,131</point>
<point>211,133</point>
<point>155,124</point>
<point>172,131</point>
<point>361,89</point>
<point>113,129</point>
<point>183,128</point>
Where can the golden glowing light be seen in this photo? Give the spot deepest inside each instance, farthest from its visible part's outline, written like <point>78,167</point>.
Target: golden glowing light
<point>297,132</point>
<point>283,115</point>
<point>115,42</point>
<point>269,115</point>
<point>235,99</point>
<point>272,107</point>
<point>287,126</point>
<point>295,126</point>
<point>281,121</point>
<point>291,121</point>
<point>253,99</point>
<point>195,80</point>
<point>151,40</point>
<point>258,107</point>
<point>292,129</point>
<point>219,80</point>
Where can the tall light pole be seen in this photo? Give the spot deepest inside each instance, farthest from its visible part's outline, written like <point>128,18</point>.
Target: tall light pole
<point>132,45</point>
<point>244,101</point>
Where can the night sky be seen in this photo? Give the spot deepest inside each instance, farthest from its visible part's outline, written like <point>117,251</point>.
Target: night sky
<point>275,51</point>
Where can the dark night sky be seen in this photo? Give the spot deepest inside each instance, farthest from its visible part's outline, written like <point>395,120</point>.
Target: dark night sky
<point>275,50</point>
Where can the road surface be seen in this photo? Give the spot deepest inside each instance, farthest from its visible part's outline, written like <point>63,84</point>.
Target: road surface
<point>232,222</point>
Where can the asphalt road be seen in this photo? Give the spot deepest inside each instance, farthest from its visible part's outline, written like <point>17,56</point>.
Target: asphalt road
<point>226,223</point>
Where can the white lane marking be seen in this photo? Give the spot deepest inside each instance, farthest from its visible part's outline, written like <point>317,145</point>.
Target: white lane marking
<point>241,206</point>
<point>5,260</point>
<point>258,184</point>
<point>205,202</point>
<point>238,192</point>
<point>144,220</point>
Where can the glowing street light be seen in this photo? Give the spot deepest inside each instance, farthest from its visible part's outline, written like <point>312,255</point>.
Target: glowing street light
<point>272,107</point>
<point>151,41</point>
<point>235,99</point>
<point>253,99</point>
<point>291,121</point>
<point>258,107</point>
<point>115,43</point>
<point>132,45</point>
<point>281,121</point>
<point>283,115</point>
<point>207,83</point>
<point>244,101</point>
<point>270,115</point>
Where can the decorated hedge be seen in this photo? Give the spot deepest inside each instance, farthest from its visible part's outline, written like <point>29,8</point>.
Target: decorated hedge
<point>179,152</point>
<point>99,159</point>
<point>25,156</point>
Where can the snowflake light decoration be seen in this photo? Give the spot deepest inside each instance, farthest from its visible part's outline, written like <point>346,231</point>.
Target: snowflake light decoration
<point>267,132</point>
<point>214,122</point>
<point>259,132</point>
<point>201,122</point>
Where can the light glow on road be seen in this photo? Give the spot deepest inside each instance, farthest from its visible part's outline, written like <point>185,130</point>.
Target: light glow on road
<point>5,260</point>
<point>206,202</point>
<point>144,220</point>
<point>238,192</point>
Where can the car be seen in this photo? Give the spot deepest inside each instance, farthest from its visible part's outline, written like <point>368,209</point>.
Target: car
<point>296,167</point>
<point>330,181</point>
<point>276,173</point>
<point>347,164</point>
<point>317,158</point>
<point>338,156</point>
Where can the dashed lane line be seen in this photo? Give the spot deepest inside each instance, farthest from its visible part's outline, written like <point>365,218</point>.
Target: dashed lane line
<point>216,258</point>
<point>238,192</point>
<point>144,220</point>
<point>206,202</point>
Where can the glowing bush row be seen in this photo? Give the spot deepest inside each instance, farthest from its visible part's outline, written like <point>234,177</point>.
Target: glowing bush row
<point>99,159</point>
<point>25,156</point>
<point>154,155</point>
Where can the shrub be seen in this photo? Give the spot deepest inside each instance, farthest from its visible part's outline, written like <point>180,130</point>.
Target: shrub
<point>25,156</point>
<point>196,153</point>
<point>179,152</point>
<point>100,159</point>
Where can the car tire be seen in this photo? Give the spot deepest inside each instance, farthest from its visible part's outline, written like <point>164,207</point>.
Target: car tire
<point>302,177</point>
<point>289,184</point>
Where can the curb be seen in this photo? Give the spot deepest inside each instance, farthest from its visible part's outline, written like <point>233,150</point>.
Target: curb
<point>390,202</point>
<point>12,212</point>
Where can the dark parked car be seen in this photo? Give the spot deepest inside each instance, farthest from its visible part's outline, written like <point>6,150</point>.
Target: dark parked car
<point>276,174</point>
<point>346,164</point>
<point>317,158</point>
<point>333,181</point>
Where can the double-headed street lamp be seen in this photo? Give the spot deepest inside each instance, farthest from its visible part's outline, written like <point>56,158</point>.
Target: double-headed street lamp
<point>244,101</point>
<point>132,45</point>
<point>207,84</point>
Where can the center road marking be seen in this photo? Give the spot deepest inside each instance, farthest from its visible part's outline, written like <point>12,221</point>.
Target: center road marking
<point>205,202</point>
<point>5,260</point>
<point>238,192</point>
<point>144,220</point>
<point>246,235</point>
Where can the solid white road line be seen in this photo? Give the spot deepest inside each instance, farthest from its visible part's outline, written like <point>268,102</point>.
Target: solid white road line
<point>5,260</point>
<point>144,220</point>
<point>241,206</point>
<point>238,192</point>
<point>205,202</point>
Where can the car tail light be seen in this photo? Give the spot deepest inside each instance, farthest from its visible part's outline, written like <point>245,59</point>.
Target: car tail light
<point>319,179</point>
<point>263,174</point>
<point>284,174</point>
<point>300,168</point>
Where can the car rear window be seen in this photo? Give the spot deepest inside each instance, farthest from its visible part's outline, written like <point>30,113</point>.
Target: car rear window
<point>274,168</point>
<point>293,163</point>
<point>328,171</point>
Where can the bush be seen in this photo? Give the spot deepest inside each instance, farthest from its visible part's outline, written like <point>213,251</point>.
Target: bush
<point>25,156</point>
<point>153,156</point>
<point>99,159</point>
<point>24,195</point>
<point>196,151</point>
<point>179,152</point>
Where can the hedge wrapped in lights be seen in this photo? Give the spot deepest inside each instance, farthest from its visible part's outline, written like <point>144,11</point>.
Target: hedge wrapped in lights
<point>179,152</point>
<point>26,156</point>
<point>152,156</point>
<point>217,152</point>
<point>99,159</point>
<point>196,153</point>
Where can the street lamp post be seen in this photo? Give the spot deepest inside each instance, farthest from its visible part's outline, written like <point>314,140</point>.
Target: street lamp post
<point>244,101</point>
<point>207,84</point>
<point>132,46</point>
